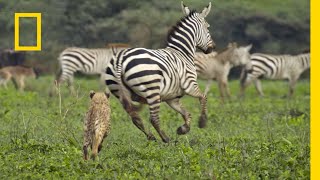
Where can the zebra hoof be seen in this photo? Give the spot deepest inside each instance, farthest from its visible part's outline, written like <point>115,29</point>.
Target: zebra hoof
<point>184,129</point>
<point>202,121</point>
<point>165,140</point>
<point>151,137</point>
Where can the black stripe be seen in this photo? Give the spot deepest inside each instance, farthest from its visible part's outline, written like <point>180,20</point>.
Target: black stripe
<point>270,59</point>
<point>153,109</point>
<point>86,51</point>
<point>134,53</point>
<point>303,63</point>
<point>108,71</point>
<point>264,63</point>
<point>114,93</point>
<point>70,61</point>
<point>69,70</point>
<point>83,54</point>
<point>157,101</point>
<point>151,88</point>
<point>110,82</point>
<point>135,62</point>
<point>258,67</point>
<point>112,61</point>
<point>152,95</point>
<point>183,34</point>
<point>76,57</point>
<point>177,45</point>
<point>147,82</point>
<point>143,73</point>
<point>91,61</point>
<point>187,29</point>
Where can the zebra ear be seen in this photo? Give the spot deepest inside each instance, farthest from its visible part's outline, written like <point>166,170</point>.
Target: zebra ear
<point>92,93</point>
<point>232,44</point>
<point>235,44</point>
<point>206,10</point>
<point>248,47</point>
<point>107,94</point>
<point>185,9</point>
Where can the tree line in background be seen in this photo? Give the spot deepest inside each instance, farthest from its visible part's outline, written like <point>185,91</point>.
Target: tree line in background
<point>271,26</point>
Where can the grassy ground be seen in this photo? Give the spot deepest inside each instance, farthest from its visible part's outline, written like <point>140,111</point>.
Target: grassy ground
<point>254,138</point>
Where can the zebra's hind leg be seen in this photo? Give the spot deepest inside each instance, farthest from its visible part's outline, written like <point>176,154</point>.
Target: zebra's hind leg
<point>154,107</point>
<point>258,86</point>
<point>195,92</point>
<point>133,113</point>
<point>70,86</point>
<point>177,106</point>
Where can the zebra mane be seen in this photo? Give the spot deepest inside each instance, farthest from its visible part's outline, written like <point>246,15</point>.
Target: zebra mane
<point>233,45</point>
<point>178,24</point>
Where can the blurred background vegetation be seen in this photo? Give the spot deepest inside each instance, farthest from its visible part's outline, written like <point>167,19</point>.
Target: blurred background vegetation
<point>272,26</point>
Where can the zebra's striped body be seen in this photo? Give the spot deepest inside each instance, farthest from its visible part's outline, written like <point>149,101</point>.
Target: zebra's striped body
<point>216,66</point>
<point>151,76</point>
<point>275,67</point>
<point>84,60</point>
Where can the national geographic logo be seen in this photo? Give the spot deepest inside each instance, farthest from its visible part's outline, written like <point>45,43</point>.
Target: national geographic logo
<point>17,46</point>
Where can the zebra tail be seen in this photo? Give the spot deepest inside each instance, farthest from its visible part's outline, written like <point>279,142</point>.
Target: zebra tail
<point>59,72</point>
<point>58,75</point>
<point>123,95</point>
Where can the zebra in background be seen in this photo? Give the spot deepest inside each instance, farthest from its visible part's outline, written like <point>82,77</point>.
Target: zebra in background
<point>146,76</point>
<point>274,67</point>
<point>216,66</point>
<point>84,60</point>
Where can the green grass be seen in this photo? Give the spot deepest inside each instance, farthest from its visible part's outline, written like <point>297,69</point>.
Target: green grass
<point>265,138</point>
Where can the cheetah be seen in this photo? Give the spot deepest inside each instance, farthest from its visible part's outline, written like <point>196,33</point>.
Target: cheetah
<point>97,123</point>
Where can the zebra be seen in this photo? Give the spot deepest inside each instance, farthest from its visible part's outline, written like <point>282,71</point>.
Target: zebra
<point>87,61</point>
<point>145,76</point>
<point>216,66</point>
<point>274,67</point>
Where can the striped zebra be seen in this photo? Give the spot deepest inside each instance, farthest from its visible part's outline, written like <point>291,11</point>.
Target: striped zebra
<point>216,66</point>
<point>146,76</point>
<point>274,67</point>
<point>84,60</point>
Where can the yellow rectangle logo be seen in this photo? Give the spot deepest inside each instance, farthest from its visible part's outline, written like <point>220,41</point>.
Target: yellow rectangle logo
<point>17,46</point>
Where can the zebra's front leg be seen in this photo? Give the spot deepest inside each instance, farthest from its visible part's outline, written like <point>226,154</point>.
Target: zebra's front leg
<point>222,90</point>
<point>292,84</point>
<point>227,90</point>
<point>244,83</point>
<point>154,107</point>
<point>4,83</point>
<point>177,106</point>
<point>195,92</point>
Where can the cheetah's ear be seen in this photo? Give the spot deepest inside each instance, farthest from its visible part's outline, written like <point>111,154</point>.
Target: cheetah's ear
<point>92,93</point>
<point>107,94</point>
